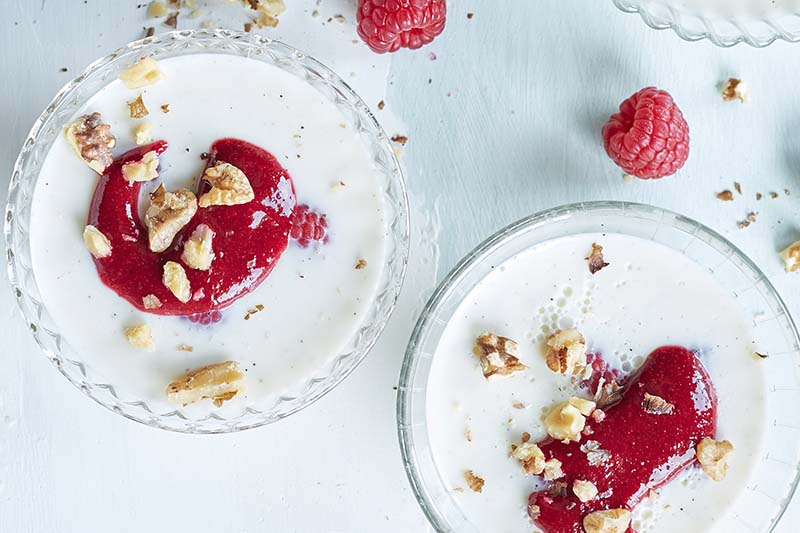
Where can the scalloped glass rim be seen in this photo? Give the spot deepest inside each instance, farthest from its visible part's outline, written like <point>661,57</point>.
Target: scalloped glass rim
<point>773,485</point>
<point>725,32</point>
<point>48,126</point>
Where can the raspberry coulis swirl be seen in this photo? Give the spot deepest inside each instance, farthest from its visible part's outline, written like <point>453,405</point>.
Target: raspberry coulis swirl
<point>249,238</point>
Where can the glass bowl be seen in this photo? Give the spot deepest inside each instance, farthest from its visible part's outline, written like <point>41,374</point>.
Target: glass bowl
<point>775,477</point>
<point>691,25</point>
<point>18,248</point>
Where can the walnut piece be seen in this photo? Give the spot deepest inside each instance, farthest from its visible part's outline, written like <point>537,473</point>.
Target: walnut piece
<point>142,133</point>
<point>656,405</point>
<point>734,89</point>
<point>566,352</point>
<point>552,470</point>
<point>137,109</point>
<point>586,407</point>
<point>584,490</point>
<point>145,169</point>
<point>197,251</point>
<point>229,186</point>
<point>97,243</point>
<point>142,73</point>
<point>498,355</point>
<point>156,9</point>
<point>595,455</point>
<point>565,422</point>
<point>595,259</point>
<point>167,214</point>
<point>725,196</point>
<point>361,264</point>
<point>531,457</point>
<point>92,141</point>
<point>474,482</point>
<point>140,337</point>
<point>791,257</point>
<point>610,521</point>
<point>218,382</point>
<point>174,278</point>
<point>607,394</point>
<point>713,457</point>
<point>151,301</point>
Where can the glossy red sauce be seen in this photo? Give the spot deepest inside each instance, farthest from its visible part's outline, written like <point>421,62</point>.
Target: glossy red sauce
<point>249,238</point>
<point>645,451</point>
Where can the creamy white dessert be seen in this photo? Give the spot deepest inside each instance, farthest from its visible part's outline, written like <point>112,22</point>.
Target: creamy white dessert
<point>304,314</point>
<point>647,297</point>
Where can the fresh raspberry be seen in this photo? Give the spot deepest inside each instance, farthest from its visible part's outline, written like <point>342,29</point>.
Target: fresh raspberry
<point>388,25</point>
<point>308,226</point>
<point>209,317</point>
<point>649,137</point>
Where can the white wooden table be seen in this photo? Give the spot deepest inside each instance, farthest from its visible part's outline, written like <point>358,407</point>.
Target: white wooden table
<point>504,122</point>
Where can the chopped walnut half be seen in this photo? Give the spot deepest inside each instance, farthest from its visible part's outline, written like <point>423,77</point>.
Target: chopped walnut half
<point>218,382</point>
<point>713,456</point>
<point>610,521</point>
<point>531,457</point>
<point>595,455</point>
<point>552,470</point>
<point>140,337</point>
<point>142,73</point>
<point>595,259</point>
<point>791,257</point>
<point>498,355</point>
<point>229,186</point>
<point>584,490</point>
<point>566,352</point>
<point>565,422</point>
<point>151,301</point>
<point>142,133</point>
<point>92,141</point>
<point>197,252</point>
<point>145,169</point>
<point>174,278</point>
<point>97,243</point>
<point>167,214</point>
<point>474,482</point>
<point>734,89</point>
<point>137,109</point>
<point>656,405</point>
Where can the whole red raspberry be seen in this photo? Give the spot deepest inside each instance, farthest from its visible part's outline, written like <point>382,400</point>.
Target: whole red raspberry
<point>387,25</point>
<point>649,137</point>
<point>308,226</point>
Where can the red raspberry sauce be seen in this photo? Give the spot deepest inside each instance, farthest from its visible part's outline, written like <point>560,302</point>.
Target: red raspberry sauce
<point>645,450</point>
<point>249,238</point>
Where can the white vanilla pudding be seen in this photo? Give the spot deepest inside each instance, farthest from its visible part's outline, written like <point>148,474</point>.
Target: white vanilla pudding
<point>308,309</point>
<point>737,8</point>
<point>647,297</point>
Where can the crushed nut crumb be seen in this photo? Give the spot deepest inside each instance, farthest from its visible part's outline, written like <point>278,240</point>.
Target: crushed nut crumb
<point>498,355</point>
<point>185,348</point>
<point>174,278</point>
<point>156,9</point>
<point>595,259</point>
<point>760,355</point>
<point>151,301</point>
<point>737,186</point>
<point>656,405</point>
<point>142,133</point>
<point>585,491</point>
<point>474,482</point>
<point>97,243</point>
<point>725,196</point>
<point>218,382</point>
<point>91,140</point>
<point>142,73</point>
<point>137,109</point>
<point>381,105</point>
<point>713,457</point>
<point>400,139</point>
<point>145,169</point>
<point>362,263</point>
<point>197,249</point>
<point>734,89</point>
<point>250,312</point>
<point>172,20</point>
<point>140,337</point>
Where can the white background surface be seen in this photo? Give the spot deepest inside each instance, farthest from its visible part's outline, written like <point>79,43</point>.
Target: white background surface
<point>504,122</point>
